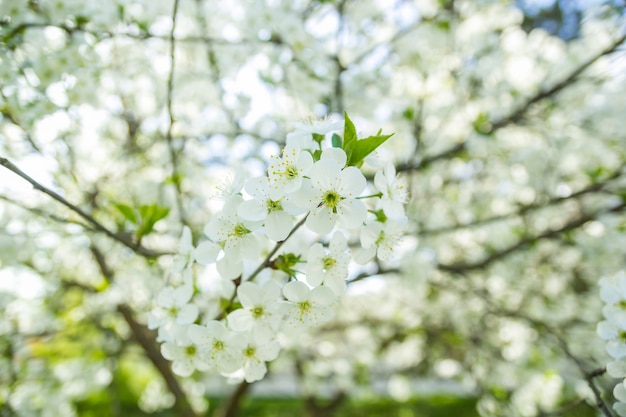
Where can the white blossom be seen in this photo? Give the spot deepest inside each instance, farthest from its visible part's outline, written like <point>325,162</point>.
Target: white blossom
<point>394,192</point>
<point>331,193</point>
<point>329,268</point>
<point>308,307</point>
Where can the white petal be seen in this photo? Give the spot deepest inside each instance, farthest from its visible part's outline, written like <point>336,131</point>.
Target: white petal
<point>365,255</point>
<point>304,162</point>
<point>248,294</point>
<point>269,351</point>
<point>206,252</point>
<point>606,330</point>
<point>253,210</point>
<point>257,187</point>
<point>182,295</point>
<point>270,292</point>
<point>370,233</point>
<point>352,182</point>
<point>393,209</point>
<point>338,285</point>
<point>185,245</point>
<point>353,213</point>
<point>250,247</point>
<point>325,173</point>
<point>338,242</point>
<point>230,267</point>
<point>199,335</point>
<point>187,314</point>
<point>255,371</point>
<point>240,320</point>
<point>336,154</point>
<point>170,351</point>
<point>620,392</point>
<point>316,253</point>
<point>314,274</point>
<point>616,348</point>
<point>278,225</point>
<point>296,291</point>
<point>321,220</point>
<point>323,296</point>
<point>183,367</point>
<point>617,369</point>
<point>165,298</point>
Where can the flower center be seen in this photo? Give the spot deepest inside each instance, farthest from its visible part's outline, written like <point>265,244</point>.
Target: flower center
<point>218,345</point>
<point>190,350</point>
<point>257,312</point>
<point>239,230</point>
<point>328,262</point>
<point>331,199</point>
<point>291,172</point>
<point>274,206</point>
<point>305,307</point>
<point>249,352</point>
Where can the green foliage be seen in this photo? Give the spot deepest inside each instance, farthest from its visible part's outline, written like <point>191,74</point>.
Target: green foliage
<point>482,124</point>
<point>358,149</point>
<point>144,217</point>
<point>435,406</point>
<point>286,263</point>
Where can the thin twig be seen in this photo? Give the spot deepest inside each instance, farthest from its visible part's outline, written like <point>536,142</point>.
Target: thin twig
<point>136,247</point>
<point>516,114</point>
<point>170,112</point>
<point>463,267</point>
<point>594,187</point>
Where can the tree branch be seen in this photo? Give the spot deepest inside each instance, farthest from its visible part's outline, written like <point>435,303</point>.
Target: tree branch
<point>147,340</point>
<point>170,113</point>
<point>594,187</point>
<point>231,408</point>
<point>136,247</point>
<point>463,267</point>
<point>516,114</point>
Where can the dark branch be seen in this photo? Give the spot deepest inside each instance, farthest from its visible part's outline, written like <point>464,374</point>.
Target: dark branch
<point>147,340</point>
<point>463,267</point>
<point>592,188</point>
<point>136,247</point>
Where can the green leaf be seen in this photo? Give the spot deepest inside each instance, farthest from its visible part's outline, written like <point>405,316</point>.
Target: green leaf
<point>349,135</point>
<point>336,141</point>
<point>127,211</point>
<point>363,147</point>
<point>150,214</point>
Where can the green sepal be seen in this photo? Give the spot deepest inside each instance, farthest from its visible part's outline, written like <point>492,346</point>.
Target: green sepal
<point>336,141</point>
<point>380,215</point>
<point>319,138</point>
<point>286,263</point>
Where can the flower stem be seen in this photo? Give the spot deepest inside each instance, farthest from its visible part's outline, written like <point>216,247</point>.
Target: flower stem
<point>370,196</point>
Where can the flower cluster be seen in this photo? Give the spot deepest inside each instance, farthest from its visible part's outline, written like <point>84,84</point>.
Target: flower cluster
<point>311,184</point>
<point>613,330</point>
